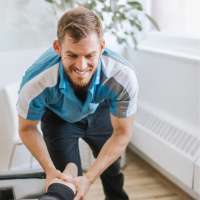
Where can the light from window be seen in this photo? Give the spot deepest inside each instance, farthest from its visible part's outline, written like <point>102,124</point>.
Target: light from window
<point>177,17</point>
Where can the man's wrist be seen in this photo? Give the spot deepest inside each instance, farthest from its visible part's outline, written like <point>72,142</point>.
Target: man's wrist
<point>49,169</point>
<point>90,178</point>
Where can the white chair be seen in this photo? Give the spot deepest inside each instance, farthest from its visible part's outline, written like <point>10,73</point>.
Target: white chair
<point>10,95</point>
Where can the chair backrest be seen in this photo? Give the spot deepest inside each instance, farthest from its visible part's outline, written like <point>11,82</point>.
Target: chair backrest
<point>10,96</point>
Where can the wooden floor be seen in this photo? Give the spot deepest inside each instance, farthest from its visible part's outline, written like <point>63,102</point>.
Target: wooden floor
<point>142,182</point>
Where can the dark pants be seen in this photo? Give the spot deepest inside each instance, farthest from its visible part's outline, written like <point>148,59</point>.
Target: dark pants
<point>62,137</point>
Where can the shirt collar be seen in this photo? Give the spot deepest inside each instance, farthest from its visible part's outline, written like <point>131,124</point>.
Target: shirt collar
<point>63,77</point>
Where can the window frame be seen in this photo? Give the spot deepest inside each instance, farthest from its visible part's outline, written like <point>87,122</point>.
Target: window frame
<point>187,48</point>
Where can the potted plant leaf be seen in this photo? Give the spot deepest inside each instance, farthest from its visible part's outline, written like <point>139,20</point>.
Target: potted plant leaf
<point>123,19</point>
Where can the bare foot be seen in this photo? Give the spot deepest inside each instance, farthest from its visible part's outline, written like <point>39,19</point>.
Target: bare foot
<point>71,171</point>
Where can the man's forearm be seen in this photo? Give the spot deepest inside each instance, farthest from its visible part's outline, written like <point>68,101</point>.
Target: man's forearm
<point>110,152</point>
<point>34,141</point>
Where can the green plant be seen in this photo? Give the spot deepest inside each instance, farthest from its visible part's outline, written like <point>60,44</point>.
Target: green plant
<point>121,19</point>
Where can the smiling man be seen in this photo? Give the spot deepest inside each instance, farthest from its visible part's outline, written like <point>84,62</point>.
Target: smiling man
<point>79,89</point>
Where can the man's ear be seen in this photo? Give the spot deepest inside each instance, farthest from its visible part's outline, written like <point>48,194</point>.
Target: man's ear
<point>102,47</point>
<point>57,47</point>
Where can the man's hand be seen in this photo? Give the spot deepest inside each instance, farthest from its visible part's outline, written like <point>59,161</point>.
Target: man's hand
<point>53,174</point>
<point>82,185</point>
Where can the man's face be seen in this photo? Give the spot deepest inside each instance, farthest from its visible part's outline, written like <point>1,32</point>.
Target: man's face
<point>80,59</point>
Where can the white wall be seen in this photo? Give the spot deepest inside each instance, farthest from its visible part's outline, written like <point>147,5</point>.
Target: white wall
<point>27,29</point>
<point>26,24</point>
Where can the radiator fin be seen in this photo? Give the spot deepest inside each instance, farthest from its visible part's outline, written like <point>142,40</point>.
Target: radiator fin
<point>180,139</point>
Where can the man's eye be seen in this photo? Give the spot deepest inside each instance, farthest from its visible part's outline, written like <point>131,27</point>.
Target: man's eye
<point>72,56</point>
<point>92,55</point>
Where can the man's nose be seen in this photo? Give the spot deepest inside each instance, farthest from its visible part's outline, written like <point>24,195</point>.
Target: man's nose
<point>81,64</point>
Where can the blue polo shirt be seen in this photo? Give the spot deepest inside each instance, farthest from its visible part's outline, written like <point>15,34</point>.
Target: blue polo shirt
<point>46,85</point>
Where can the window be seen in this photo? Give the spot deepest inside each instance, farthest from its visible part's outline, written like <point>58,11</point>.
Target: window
<point>179,25</point>
<point>177,17</point>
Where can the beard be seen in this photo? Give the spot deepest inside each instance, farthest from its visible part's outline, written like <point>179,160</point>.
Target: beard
<point>78,81</point>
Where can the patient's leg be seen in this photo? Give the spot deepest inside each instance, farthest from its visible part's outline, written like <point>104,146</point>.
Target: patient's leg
<point>70,172</point>
<point>61,190</point>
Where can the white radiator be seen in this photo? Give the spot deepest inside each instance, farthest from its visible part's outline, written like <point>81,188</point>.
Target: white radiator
<point>172,148</point>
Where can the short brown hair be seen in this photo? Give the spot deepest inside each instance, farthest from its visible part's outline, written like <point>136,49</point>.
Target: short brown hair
<point>78,23</point>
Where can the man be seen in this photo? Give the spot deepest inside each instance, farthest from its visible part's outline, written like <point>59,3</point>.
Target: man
<point>72,88</point>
